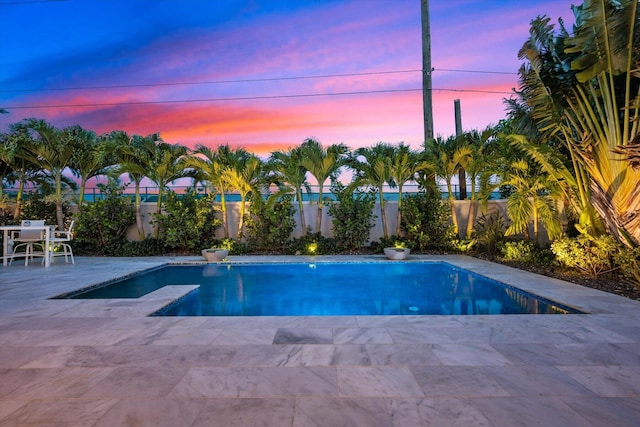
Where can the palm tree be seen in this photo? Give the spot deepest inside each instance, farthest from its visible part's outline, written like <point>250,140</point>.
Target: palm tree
<point>287,167</point>
<point>374,171</point>
<point>6,157</point>
<point>226,158</point>
<point>445,158</point>
<point>244,177</point>
<point>90,158</point>
<point>404,165</point>
<point>534,197</point>
<point>52,152</point>
<point>14,153</point>
<point>167,165</point>
<point>479,171</point>
<point>322,164</point>
<point>208,166</point>
<point>134,156</point>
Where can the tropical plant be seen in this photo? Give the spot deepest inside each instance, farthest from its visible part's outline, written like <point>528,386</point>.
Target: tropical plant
<point>445,158</point>
<point>209,164</point>
<point>592,255</point>
<point>629,261</point>
<point>534,198</point>
<point>582,92</point>
<point>134,156</point>
<point>311,244</point>
<point>91,157</point>
<point>489,231</point>
<point>53,153</point>
<point>405,164</point>
<point>102,225</point>
<point>286,166</point>
<point>426,221</point>
<point>322,164</point>
<point>167,165</point>
<point>270,222</point>
<point>352,215</point>
<point>38,205</point>
<point>188,223</point>
<point>245,177</point>
<point>15,162</point>
<point>372,166</point>
<point>478,166</point>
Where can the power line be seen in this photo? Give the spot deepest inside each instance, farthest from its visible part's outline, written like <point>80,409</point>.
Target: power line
<point>245,98</point>
<point>266,79</point>
<point>29,2</point>
<point>475,71</point>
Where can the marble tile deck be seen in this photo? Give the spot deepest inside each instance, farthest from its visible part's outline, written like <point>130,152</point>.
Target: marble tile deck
<point>107,363</point>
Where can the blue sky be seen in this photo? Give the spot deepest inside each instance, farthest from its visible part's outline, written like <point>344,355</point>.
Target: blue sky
<point>247,72</point>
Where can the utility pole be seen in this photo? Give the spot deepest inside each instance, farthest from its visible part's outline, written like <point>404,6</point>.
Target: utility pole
<point>427,98</point>
<point>462,176</point>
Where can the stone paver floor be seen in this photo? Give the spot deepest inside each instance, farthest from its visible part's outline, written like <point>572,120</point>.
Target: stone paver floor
<point>106,363</point>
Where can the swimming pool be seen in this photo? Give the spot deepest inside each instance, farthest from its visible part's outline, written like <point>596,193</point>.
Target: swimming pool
<point>322,289</point>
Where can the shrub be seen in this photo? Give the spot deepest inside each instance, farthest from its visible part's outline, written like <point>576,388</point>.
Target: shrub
<point>463,245</point>
<point>353,217</point>
<point>311,244</point>
<point>38,206</point>
<point>102,225</point>
<point>426,222</point>
<point>489,232</point>
<point>391,241</point>
<point>520,250</point>
<point>629,261</point>
<point>146,247</point>
<point>592,255</point>
<point>270,223</point>
<point>234,247</point>
<point>188,222</point>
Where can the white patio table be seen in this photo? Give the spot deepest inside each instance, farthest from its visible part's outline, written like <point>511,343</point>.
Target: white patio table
<point>5,241</point>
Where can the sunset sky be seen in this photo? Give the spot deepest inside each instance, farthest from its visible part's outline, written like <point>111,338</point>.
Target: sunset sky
<point>261,74</point>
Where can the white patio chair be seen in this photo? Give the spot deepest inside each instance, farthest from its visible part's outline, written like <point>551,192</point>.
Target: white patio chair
<point>60,240</point>
<point>29,239</point>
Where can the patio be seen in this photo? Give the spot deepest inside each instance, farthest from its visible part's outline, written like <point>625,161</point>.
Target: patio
<point>105,363</point>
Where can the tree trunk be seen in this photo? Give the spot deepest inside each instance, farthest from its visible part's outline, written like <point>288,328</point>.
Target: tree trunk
<point>471,219</point>
<point>241,221</point>
<point>223,208</point>
<point>319,217</point>
<point>454,217</point>
<point>138,203</point>
<point>383,215</point>
<point>535,225</point>
<point>399,216</point>
<point>16,211</point>
<point>303,222</point>
<point>83,185</point>
<point>59,213</point>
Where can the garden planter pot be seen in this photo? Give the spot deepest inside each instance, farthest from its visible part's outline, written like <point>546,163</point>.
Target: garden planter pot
<point>396,253</point>
<point>211,255</point>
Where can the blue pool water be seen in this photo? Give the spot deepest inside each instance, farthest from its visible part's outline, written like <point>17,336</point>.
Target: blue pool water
<point>393,288</point>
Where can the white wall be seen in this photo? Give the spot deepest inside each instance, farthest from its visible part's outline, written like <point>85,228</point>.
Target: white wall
<point>310,208</point>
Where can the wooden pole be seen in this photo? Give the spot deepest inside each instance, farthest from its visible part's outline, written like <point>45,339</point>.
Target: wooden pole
<point>427,98</point>
<point>462,176</point>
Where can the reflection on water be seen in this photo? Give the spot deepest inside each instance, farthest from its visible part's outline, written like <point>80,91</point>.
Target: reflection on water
<point>344,289</point>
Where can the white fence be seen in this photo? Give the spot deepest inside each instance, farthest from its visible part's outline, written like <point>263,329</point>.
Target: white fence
<point>311,209</point>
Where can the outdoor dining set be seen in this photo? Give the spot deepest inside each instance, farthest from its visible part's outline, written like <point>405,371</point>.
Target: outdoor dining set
<point>34,239</point>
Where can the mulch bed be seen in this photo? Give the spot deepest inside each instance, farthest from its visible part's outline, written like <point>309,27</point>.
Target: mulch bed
<point>607,283</point>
